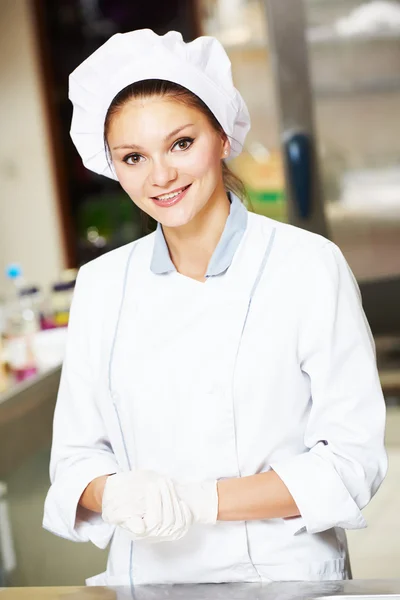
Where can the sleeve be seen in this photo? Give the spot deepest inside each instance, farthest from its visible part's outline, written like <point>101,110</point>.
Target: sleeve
<point>80,448</point>
<point>346,460</point>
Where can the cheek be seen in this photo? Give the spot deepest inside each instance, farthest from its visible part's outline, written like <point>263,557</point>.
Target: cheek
<point>131,182</point>
<point>204,160</point>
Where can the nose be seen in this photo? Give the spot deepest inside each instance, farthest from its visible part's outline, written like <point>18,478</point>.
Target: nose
<point>162,173</point>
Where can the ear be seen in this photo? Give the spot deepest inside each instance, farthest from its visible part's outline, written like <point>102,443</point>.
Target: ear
<point>226,148</point>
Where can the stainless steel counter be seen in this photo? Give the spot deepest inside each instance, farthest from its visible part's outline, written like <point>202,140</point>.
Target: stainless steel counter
<point>273,591</point>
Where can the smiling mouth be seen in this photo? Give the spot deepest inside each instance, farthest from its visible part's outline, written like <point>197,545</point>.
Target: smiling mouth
<point>171,195</point>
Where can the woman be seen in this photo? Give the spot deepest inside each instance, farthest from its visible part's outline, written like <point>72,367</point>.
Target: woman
<point>219,393</point>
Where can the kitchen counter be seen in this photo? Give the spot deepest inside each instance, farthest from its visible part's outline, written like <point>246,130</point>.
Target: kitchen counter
<point>272,591</point>
<point>26,416</point>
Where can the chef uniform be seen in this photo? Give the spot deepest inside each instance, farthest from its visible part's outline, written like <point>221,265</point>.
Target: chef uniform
<point>268,364</point>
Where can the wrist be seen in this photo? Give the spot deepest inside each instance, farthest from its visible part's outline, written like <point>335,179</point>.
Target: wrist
<point>92,497</point>
<point>99,489</point>
<point>202,500</point>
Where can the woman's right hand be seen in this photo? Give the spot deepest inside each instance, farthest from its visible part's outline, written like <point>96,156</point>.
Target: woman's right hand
<point>147,505</point>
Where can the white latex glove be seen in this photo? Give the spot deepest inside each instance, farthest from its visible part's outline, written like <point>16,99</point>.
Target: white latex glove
<point>202,499</point>
<point>147,505</point>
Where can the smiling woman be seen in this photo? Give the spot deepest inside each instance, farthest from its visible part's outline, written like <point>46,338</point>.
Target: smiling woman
<point>172,91</point>
<point>167,149</point>
<point>215,409</point>
<point>179,161</point>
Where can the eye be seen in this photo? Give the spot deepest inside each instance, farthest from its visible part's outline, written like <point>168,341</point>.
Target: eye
<point>132,159</point>
<point>183,143</point>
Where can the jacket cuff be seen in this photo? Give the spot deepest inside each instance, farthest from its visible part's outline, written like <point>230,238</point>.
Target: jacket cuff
<point>64,516</point>
<point>320,494</point>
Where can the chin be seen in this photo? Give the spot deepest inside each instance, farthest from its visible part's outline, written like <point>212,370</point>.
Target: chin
<point>179,215</point>
<point>174,220</point>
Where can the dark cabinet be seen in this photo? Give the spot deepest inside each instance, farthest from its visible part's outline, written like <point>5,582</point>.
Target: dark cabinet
<point>97,215</point>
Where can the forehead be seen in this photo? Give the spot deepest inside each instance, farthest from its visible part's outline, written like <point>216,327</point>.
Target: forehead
<point>155,114</point>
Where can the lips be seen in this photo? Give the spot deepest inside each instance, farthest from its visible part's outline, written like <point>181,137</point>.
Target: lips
<point>173,197</point>
<point>167,196</point>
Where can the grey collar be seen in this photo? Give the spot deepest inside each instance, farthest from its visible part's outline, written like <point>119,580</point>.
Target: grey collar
<point>221,260</point>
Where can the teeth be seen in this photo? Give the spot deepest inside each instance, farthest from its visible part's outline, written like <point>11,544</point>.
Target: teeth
<point>169,196</point>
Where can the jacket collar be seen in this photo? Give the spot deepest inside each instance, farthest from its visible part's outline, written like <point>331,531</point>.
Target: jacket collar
<point>222,257</point>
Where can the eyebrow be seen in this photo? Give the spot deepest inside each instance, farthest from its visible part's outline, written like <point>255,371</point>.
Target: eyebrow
<point>166,139</point>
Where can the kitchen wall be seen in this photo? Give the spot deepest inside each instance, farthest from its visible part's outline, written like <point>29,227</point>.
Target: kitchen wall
<point>29,223</point>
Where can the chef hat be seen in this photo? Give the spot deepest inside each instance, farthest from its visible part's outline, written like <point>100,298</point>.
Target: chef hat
<point>202,66</point>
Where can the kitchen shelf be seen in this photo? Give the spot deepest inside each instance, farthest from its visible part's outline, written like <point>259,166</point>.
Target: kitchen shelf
<point>313,40</point>
<point>390,85</point>
<point>329,35</point>
<point>358,89</point>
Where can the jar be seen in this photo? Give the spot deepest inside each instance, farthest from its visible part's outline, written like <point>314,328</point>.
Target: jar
<point>61,300</point>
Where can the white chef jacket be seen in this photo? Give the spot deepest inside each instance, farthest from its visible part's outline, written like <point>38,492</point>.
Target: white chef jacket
<point>269,364</point>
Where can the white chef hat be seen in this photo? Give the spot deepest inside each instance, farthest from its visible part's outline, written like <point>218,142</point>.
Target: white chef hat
<point>202,66</point>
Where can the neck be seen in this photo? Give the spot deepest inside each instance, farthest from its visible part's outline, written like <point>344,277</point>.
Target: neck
<point>192,245</point>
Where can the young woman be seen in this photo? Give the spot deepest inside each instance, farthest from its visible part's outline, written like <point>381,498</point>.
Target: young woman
<point>219,394</point>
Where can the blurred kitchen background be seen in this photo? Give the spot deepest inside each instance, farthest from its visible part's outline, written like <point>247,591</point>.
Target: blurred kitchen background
<point>322,82</point>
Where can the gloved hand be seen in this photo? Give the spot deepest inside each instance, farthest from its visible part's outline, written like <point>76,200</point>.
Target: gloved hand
<point>147,505</point>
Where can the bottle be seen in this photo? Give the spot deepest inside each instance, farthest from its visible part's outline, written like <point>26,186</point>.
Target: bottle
<point>61,300</point>
<point>61,296</point>
<point>22,322</point>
